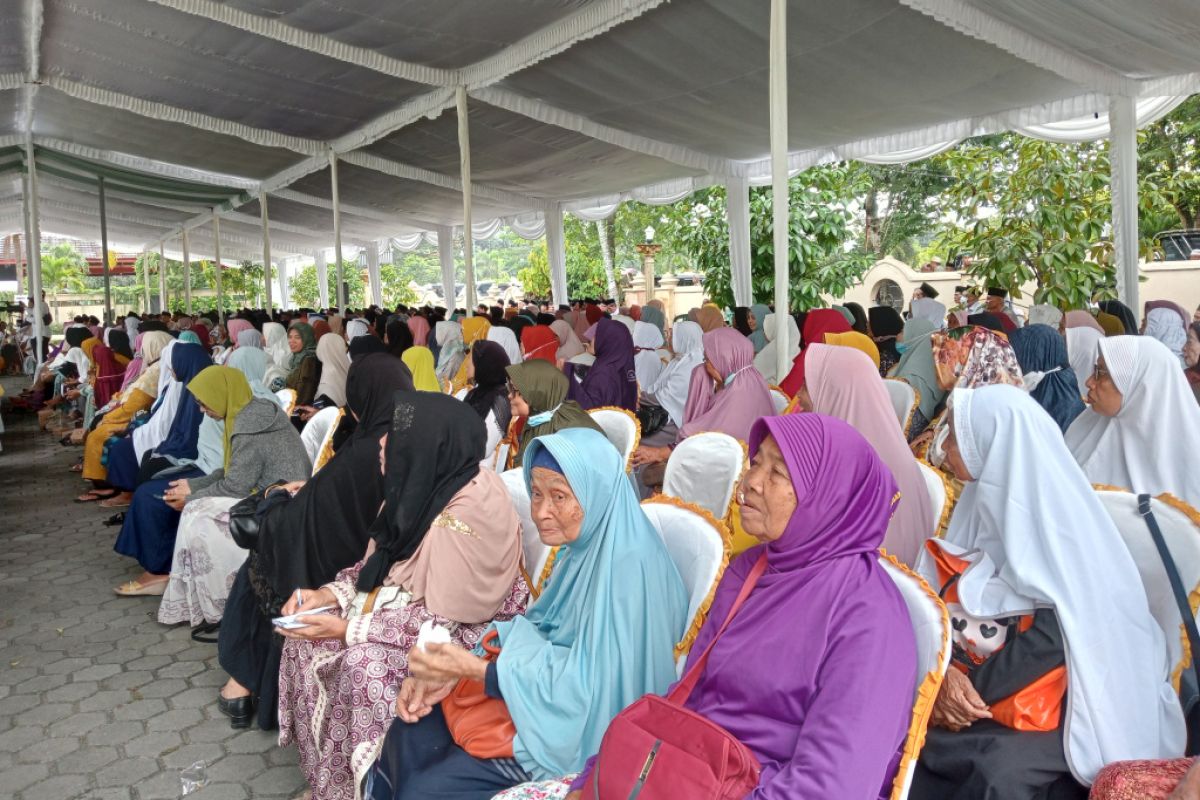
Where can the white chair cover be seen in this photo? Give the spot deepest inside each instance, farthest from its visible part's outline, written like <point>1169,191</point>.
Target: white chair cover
<point>780,399</point>
<point>698,546</point>
<point>939,497</point>
<point>534,549</point>
<point>318,436</point>
<point>287,397</point>
<point>704,469</point>
<point>904,401</point>
<point>931,627</point>
<point>1180,524</point>
<point>621,428</point>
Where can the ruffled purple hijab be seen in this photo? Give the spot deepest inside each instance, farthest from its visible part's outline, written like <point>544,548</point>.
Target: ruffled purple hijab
<point>743,398</point>
<point>816,673</point>
<point>612,379</point>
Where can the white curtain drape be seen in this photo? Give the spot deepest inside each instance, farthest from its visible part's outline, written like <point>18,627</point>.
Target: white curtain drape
<point>322,278</point>
<point>1123,169</point>
<point>737,213</point>
<point>557,254</point>
<point>373,275</point>
<point>445,242</point>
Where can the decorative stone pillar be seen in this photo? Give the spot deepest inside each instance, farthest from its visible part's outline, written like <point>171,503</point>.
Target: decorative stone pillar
<point>637,290</point>
<point>648,250</point>
<point>669,283</point>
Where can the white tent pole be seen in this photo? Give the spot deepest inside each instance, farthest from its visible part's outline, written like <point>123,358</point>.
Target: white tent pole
<point>737,215</point>
<point>556,254</point>
<point>779,177</point>
<point>34,238</point>
<point>285,294</point>
<point>217,268</point>
<point>266,233</point>
<point>162,276</point>
<point>464,155</point>
<point>1122,115</point>
<point>108,311</point>
<point>322,277</point>
<point>337,234</point>
<point>445,240</point>
<point>373,273</point>
<point>145,282</point>
<point>187,276</point>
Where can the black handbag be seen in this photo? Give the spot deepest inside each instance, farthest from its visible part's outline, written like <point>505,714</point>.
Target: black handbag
<point>652,418</point>
<point>245,518</point>
<point>1189,681</point>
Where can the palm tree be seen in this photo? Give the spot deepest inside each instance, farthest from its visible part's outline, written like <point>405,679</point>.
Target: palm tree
<point>63,269</point>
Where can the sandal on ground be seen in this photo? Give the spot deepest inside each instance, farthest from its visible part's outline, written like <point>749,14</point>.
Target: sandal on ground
<point>97,494</point>
<point>115,519</point>
<point>77,467</point>
<point>135,589</point>
<point>203,632</point>
<point>116,501</point>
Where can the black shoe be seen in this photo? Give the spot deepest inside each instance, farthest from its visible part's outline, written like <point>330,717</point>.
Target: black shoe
<point>201,633</point>
<point>115,519</point>
<point>240,710</point>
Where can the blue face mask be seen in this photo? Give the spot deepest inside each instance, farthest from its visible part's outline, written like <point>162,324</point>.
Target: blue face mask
<point>542,418</point>
<point>901,347</point>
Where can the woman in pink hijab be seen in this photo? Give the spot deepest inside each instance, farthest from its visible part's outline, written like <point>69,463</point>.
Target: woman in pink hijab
<point>842,382</point>
<point>419,327</point>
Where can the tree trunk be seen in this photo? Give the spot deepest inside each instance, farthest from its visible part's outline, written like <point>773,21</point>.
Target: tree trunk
<point>1187,217</point>
<point>607,233</point>
<point>871,239</point>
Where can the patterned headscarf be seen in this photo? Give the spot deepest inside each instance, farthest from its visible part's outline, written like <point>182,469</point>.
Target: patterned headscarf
<point>981,357</point>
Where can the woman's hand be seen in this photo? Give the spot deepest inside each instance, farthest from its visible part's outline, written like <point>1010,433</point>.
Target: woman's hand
<point>291,488</point>
<point>417,698</point>
<point>958,705</point>
<point>650,455</point>
<point>304,412</point>
<point>318,626</point>
<point>439,663</point>
<point>312,598</point>
<point>177,494</point>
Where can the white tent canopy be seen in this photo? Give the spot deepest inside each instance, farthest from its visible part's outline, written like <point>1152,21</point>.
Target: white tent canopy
<point>572,105</point>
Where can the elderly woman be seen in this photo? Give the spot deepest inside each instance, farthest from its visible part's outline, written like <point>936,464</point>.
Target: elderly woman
<point>306,541</point>
<point>826,706</point>
<point>537,395</point>
<point>565,668</point>
<point>1141,430</point>
<point>447,550</point>
<point>1039,696</point>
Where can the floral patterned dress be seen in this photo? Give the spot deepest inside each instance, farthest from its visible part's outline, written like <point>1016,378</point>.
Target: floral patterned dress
<point>336,698</point>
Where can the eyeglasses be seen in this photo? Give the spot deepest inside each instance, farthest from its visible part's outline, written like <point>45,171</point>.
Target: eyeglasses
<point>512,390</point>
<point>1100,373</point>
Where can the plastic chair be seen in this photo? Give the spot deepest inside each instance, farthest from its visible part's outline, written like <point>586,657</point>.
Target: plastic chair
<point>780,399</point>
<point>535,551</point>
<point>288,398</point>
<point>931,629</point>
<point>904,401</point>
<point>704,469</point>
<point>942,497</point>
<point>318,436</point>
<point>699,547</point>
<point>622,429</point>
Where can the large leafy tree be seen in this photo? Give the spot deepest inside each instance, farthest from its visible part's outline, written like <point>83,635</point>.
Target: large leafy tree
<point>1169,159</point>
<point>64,269</point>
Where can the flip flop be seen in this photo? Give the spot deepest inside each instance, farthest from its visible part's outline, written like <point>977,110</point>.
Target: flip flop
<point>135,589</point>
<point>96,495</point>
<point>77,467</point>
<point>115,519</point>
<point>114,502</point>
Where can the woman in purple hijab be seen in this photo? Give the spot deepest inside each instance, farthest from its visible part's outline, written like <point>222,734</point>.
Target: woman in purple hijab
<point>815,673</point>
<point>612,379</point>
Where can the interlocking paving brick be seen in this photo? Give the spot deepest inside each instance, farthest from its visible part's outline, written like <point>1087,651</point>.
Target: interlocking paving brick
<point>98,701</point>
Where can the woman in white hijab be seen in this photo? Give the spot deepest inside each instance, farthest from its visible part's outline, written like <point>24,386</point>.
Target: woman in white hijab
<point>1167,327</point>
<point>508,340</point>
<point>765,361</point>
<point>452,352</point>
<point>646,362</point>
<point>1030,541</point>
<point>1083,345</point>
<point>670,390</point>
<point>276,345</point>
<point>1141,430</point>
<point>356,328</point>
<point>335,364</point>
<point>162,413</point>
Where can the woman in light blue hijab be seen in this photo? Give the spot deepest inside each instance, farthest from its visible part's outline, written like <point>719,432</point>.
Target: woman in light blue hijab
<point>759,337</point>
<point>253,362</point>
<point>601,635</point>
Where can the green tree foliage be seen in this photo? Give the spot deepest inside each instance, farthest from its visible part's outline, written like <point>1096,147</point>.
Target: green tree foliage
<point>1169,159</point>
<point>64,269</point>
<point>304,290</point>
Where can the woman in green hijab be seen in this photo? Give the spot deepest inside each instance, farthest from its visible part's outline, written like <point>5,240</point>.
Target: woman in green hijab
<point>304,369</point>
<point>537,392</point>
<point>917,368</point>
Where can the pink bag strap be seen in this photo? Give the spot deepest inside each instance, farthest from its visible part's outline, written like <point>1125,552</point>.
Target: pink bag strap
<point>683,689</point>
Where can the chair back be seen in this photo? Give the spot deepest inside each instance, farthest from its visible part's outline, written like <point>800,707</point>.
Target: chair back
<point>704,469</point>
<point>942,496</point>
<point>780,399</point>
<point>534,551</point>
<point>318,436</point>
<point>622,429</point>
<point>904,401</point>
<point>288,398</point>
<point>699,546</point>
<point>1180,525</point>
<point>931,629</point>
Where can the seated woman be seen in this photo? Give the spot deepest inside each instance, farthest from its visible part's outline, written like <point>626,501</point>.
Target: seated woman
<point>474,329</point>
<point>485,369</point>
<point>1042,353</point>
<point>306,541</point>
<point>826,707</point>
<point>261,449</point>
<point>916,367</point>
<point>447,549</point>
<point>670,390</point>
<point>766,360</point>
<point>1031,553</point>
<point>647,341</point>
<point>817,323</point>
<point>844,384</point>
<point>884,325</point>
<point>612,379</point>
<point>276,343</point>
<point>419,360</point>
<point>726,396</point>
<point>537,394</point>
<point>304,368</point>
<point>1141,430</point>
<point>570,664</point>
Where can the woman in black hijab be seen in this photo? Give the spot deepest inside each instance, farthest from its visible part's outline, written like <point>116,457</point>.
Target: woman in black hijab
<point>741,320</point>
<point>860,318</point>
<point>884,325</point>
<point>363,346</point>
<point>399,337</point>
<point>1122,312</point>
<point>118,342</point>
<point>306,541</point>
<point>489,394</point>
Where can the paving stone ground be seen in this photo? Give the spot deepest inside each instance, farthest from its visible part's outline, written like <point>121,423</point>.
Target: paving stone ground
<point>97,699</point>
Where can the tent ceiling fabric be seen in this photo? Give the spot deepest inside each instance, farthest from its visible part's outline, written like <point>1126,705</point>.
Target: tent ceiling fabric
<point>581,103</point>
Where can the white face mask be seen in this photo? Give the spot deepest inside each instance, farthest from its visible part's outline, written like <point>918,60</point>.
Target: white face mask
<point>1032,379</point>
